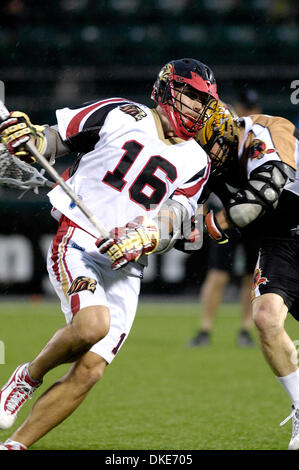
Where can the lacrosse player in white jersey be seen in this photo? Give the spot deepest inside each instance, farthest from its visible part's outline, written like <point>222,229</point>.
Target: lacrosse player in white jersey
<point>140,171</point>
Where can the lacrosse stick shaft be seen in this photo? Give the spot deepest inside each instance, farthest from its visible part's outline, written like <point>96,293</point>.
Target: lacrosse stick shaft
<point>4,114</point>
<point>67,189</point>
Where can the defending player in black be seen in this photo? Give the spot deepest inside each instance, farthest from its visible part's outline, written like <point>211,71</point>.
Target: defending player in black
<point>260,192</point>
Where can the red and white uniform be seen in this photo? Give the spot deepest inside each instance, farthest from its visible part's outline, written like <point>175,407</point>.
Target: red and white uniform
<point>130,169</point>
<point>126,168</point>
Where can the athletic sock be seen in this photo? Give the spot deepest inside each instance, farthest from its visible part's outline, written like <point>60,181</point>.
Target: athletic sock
<point>204,332</point>
<point>15,444</point>
<point>30,380</point>
<point>291,385</point>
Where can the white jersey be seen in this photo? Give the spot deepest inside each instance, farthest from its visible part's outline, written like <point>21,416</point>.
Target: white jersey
<point>273,139</point>
<point>280,139</point>
<point>126,166</point>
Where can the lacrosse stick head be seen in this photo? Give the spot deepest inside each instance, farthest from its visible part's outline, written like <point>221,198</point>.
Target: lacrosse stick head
<point>16,174</point>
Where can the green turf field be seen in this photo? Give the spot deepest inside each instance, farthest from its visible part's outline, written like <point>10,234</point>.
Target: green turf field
<point>158,394</point>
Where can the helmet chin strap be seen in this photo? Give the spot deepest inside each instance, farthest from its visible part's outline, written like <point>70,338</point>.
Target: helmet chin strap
<point>166,123</point>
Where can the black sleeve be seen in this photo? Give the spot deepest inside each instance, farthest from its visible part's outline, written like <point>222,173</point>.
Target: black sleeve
<point>85,140</point>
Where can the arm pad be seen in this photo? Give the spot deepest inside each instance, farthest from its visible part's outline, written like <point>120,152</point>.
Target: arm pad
<point>260,194</point>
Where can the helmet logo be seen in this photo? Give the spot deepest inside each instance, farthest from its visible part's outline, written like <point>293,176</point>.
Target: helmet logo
<point>164,74</point>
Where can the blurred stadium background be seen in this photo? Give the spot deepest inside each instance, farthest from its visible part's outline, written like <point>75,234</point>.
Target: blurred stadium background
<point>66,52</point>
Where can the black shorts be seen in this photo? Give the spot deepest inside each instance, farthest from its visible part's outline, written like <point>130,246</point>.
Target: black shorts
<point>277,272</point>
<point>221,257</point>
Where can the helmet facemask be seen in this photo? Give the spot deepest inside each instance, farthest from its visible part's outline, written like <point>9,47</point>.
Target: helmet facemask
<point>185,123</point>
<point>220,138</point>
<point>171,87</point>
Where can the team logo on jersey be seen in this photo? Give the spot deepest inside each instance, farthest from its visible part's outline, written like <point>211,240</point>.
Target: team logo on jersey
<point>82,283</point>
<point>134,111</point>
<point>258,149</point>
<point>258,278</point>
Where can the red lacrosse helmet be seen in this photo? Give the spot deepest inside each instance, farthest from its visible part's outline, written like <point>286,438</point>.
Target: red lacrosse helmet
<point>174,79</point>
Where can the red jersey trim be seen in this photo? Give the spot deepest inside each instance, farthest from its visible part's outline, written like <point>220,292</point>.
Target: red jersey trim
<point>74,124</point>
<point>192,190</point>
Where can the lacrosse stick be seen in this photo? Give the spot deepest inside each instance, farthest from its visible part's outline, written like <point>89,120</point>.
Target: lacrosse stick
<point>4,114</point>
<point>16,174</point>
